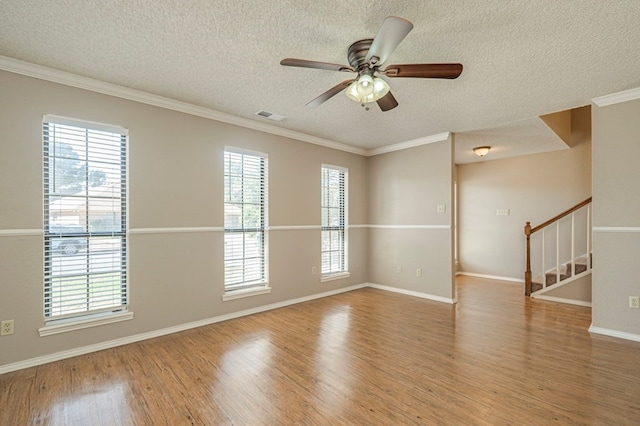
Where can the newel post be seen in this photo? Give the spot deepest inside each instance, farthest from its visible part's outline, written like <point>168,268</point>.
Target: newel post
<point>527,273</point>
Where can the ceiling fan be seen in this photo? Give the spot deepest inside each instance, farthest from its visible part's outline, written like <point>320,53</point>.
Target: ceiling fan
<point>366,58</point>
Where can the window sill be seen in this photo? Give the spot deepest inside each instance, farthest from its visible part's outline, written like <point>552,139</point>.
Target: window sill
<point>336,276</point>
<point>239,294</point>
<point>72,324</point>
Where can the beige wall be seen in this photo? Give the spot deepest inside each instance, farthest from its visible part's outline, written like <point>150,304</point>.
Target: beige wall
<point>575,291</point>
<point>616,217</point>
<point>405,188</point>
<point>175,181</point>
<point>534,188</point>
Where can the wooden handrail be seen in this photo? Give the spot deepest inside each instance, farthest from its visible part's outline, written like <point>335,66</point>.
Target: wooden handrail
<point>560,216</point>
<point>528,230</point>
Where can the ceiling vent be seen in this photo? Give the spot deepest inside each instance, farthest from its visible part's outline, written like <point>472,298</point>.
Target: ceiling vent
<point>270,115</point>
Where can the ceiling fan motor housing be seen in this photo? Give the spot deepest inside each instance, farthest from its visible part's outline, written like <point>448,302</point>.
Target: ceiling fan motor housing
<point>357,54</point>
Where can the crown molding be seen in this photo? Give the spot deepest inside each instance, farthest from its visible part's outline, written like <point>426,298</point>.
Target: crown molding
<point>73,80</point>
<point>617,98</point>
<point>409,144</point>
<point>69,79</point>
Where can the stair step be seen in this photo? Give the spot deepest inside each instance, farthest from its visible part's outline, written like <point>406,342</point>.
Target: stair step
<point>566,270</point>
<point>582,262</point>
<point>552,278</point>
<point>580,268</point>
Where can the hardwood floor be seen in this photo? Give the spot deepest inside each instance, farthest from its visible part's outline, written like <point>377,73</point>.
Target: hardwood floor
<point>363,357</point>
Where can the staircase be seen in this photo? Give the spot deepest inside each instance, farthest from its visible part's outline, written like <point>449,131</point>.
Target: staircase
<point>559,249</point>
<point>558,275</point>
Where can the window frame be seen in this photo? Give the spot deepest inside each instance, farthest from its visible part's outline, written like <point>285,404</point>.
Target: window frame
<point>246,287</point>
<point>343,224</point>
<point>75,317</point>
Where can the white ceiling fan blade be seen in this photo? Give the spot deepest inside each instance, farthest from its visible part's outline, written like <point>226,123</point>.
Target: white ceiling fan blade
<point>391,33</point>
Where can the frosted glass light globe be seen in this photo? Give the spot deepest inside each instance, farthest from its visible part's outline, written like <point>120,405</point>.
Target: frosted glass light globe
<point>365,85</point>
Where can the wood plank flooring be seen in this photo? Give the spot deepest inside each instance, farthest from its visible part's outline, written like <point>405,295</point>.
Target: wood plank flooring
<point>366,357</point>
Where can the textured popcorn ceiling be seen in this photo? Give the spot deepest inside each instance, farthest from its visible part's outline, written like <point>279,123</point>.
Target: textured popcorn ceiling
<point>522,59</point>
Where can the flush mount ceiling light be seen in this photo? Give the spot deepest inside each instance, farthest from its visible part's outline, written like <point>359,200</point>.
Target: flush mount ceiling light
<point>481,151</point>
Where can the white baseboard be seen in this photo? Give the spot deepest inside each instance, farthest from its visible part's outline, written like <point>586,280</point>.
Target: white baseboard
<point>413,293</point>
<point>562,300</point>
<point>162,332</point>
<point>7,368</point>
<point>492,277</point>
<point>614,333</point>
<point>169,330</point>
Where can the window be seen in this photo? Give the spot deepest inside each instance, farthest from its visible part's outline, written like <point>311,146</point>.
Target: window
<point>334,221</point>
<point>245,220</point>
<point>85,220</point>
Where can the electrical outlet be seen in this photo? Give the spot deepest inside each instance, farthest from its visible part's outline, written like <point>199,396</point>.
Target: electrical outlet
<point>634,302</point>
<point>313,270</point>
<point>442,208</point>
<point>418,272</point>
<point>6,327</point>
<point>398,269</point>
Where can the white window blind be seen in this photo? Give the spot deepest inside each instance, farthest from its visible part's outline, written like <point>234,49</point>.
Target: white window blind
<point>334,220</point>
<point>245,220</point>
<point>85,218</point>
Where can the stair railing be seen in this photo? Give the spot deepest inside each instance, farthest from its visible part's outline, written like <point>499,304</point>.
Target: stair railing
<point>529,231</point>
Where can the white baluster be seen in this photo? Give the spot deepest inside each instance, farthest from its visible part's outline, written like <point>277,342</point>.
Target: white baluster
<point>544,270</point>
<point>589,237</point>
<point>557,252</point>
<point>573,247</point>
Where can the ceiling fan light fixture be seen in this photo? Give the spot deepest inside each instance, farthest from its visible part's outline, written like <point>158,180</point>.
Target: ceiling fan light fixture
<point>367,89</point>
<point>365,86</point>
<point>481,151</point>
<point>381,88</point>
<point>365,58</point>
